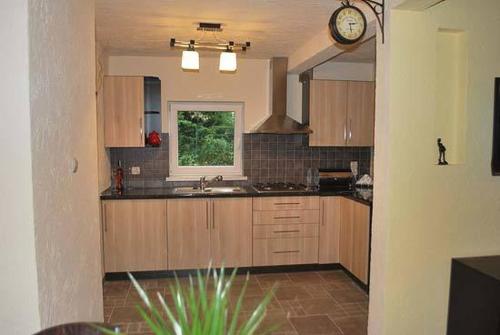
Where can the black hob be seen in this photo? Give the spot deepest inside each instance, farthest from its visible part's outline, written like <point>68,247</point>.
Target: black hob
<point>279,187</point>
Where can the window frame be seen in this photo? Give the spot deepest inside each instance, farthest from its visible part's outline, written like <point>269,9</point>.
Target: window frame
<point>177,172</point>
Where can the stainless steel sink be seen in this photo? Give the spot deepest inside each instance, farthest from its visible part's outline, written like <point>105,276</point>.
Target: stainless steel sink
<point>208,190</point>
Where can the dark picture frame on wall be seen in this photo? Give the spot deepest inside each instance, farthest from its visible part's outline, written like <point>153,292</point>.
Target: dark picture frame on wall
<point>495,160</point>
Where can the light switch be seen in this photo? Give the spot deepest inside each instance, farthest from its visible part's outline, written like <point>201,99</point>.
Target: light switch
<point>135,170</point>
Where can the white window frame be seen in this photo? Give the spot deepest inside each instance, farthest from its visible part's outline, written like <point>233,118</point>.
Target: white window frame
<point>234,172</point>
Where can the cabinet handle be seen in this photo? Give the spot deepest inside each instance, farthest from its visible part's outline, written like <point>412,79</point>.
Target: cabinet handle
<point>286,231</point>
<point>287,203</point>
<point>213,215</point>
<point>323,213</point>
<point>350,129</point>
<point>208,216</point>
<point>345,131</point>
<point>286,217</point>
<point>140,126</point>
<point>104,218</point>
<point>286,252</point>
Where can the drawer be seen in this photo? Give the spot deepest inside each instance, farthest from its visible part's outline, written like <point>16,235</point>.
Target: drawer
<point>286,231</point>
<point>285,217</point>
<point>285,251</point>
<point>285,203</point>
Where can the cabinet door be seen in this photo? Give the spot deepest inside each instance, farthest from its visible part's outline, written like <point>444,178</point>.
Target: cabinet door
<point>231,234</point>
<point>123,111</point>
<point>188,233</point>
<point>329,230</point>
<point>328,112</point>
<point>135,235</point>
<point>346,233</point>
<point>361,241</point>
<point>360,113</point>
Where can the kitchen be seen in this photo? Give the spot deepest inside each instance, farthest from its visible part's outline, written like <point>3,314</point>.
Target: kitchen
<point>355,183</point>
<point>285,203</point>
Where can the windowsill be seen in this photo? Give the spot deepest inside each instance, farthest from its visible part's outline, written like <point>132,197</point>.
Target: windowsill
<point>197,178</point>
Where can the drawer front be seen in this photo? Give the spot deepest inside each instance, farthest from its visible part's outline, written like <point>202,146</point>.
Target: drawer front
<point>285,251</point>
<point>285,231</point>
<point>285,217</point>
<point>285,203</point>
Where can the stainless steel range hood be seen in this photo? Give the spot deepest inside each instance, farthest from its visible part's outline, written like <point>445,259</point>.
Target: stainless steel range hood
<point>279,122</point>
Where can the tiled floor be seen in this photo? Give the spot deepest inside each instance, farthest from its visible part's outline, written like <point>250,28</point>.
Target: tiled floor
<point>325,302</point>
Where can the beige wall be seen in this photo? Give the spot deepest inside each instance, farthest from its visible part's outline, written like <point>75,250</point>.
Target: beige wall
<point>63,127</point>
<point>103,161</point>
<point>18,280</point>
<point>426,214</point>
<point>249,84</point>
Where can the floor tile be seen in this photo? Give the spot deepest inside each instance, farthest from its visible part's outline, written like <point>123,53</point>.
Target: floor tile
<point>319,324</point>
<point>124,315</point>
<point>322,306</point>
<point>291,293</point>
<point>352,325</point>
<point>309,278</point>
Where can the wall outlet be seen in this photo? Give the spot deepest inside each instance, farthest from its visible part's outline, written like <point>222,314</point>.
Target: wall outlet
<point>135,170</point>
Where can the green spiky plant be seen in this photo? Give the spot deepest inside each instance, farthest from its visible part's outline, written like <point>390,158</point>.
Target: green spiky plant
<point>197,311</point>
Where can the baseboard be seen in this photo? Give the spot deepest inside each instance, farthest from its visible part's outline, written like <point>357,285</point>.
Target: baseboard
<point>243,270</point>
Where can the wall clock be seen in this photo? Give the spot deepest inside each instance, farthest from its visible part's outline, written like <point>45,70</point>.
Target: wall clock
<point>347,24</point>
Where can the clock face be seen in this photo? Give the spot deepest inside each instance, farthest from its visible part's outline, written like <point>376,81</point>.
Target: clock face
<point>348,25</point>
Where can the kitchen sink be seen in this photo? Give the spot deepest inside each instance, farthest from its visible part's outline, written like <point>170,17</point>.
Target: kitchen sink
<point>208,190</point>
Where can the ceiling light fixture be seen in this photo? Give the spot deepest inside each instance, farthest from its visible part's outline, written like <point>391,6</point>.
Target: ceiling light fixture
<point>227,62</point>
<point>190,57</point>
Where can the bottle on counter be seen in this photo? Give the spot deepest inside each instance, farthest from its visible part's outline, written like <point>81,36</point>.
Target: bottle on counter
<point>118,174</point>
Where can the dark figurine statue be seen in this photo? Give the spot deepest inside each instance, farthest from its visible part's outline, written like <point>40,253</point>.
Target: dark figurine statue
<point>442,153</point>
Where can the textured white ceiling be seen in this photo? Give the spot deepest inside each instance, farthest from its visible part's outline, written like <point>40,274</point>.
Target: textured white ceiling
<point>144,27</point>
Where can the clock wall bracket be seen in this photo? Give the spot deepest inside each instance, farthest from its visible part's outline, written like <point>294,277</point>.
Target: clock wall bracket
<point>378,8</point>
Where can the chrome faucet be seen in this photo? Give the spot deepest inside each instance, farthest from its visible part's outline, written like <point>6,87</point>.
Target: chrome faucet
<point>204,182</point>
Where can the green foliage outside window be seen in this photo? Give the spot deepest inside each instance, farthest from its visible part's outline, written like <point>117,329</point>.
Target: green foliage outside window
<point>206,138</point>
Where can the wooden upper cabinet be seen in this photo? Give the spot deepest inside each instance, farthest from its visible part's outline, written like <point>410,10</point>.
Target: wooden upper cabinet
<point>327,112</point>
<point>231,232</point>
<point>360,113</point>
<point>329,230</point>
<point>188,234</point>
<point>341,113</point>
<point>135,235</point>
<point>123,111</point>
<point>360,241</point>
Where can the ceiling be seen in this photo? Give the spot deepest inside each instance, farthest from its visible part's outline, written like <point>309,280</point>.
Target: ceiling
<point>360,53</point>
<point>144,27</point>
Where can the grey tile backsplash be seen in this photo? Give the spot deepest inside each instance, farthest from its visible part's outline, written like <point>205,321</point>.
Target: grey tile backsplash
<point>266,158</point>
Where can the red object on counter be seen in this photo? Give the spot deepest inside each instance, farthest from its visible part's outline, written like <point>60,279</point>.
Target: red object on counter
<point>119,179</point>
<point>154,138</point>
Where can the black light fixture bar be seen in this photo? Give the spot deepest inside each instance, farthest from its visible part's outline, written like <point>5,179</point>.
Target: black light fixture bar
<point>233,46</point>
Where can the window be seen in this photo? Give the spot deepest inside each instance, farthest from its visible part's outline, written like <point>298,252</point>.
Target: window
<point>205,139</point>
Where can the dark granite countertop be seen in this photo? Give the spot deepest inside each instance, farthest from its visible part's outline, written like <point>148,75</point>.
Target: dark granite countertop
<point>363,196</point>
<point>488,265</point>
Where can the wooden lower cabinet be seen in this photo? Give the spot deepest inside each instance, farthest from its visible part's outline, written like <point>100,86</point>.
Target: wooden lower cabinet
<point>201,231</point>
<point>231,234</point>
<point>355,238</point>
<point>135,236</point>
<point>188,233</point>
<point>329,230</point>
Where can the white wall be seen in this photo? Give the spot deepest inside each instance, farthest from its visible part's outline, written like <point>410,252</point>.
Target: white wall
<point>425,214</point>
<point>18,279</point>
<point>345,71</point>
<point>294,97</point>
<point>250,84</point>
<point>63,127</point>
